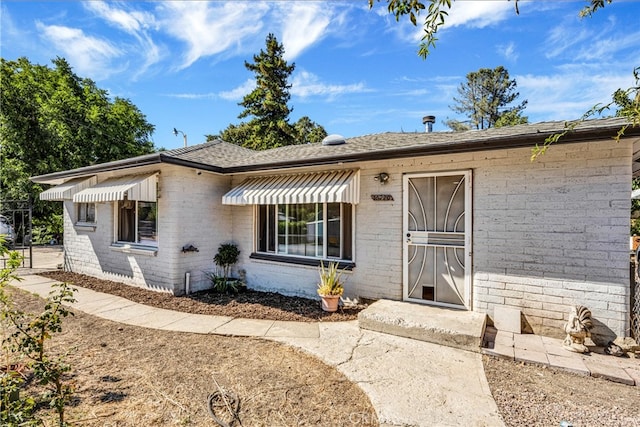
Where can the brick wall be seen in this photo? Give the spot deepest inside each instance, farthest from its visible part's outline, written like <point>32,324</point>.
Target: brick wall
<point>189,212</point>
<point>546,234</point>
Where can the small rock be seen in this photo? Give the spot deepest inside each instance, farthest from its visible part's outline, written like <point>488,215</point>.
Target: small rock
<point>627,344</point>
<point>613,349</point>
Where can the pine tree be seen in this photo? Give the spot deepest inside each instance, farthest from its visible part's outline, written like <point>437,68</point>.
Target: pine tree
<point>267,106</point>
<point>485,98</point>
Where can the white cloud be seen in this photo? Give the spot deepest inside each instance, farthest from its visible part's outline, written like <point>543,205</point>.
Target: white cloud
<point>134,23</point>
<point>608,47</point>
<point>211,28</point>
<point>239,92</point>
<point>508,51</point>
<point>304,24</point>
<point>90,56</point>
<point>131,22</point>
<point>570,93</point>
<point>193,95</point>
<point>563,37</point>
<point>478,14</point>
<point>305,84</point>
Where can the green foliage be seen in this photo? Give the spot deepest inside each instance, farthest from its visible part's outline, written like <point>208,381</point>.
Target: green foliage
<point>308,131</point>
<point>226,257</point>
<point>437,12</point>
<point>485,98</point>
<point>626,104</point>
<point>330,283</point>
<point>435,18</point>
<point>223,285</point>
<point>24,345</point>
<point>635,210</point>
<point>511,118</point>
<point>592,7</point>
<point>269,126</point>
<point>53,120</point>
<point>43,230</point>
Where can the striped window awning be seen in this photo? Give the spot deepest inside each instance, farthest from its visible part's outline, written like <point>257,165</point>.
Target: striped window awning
<point>131,187</point>
<point>67,190</point>
<point>324,187</point>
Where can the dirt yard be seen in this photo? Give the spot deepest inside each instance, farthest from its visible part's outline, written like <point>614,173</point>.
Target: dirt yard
<point>131,376</point>
<point>531,395</point>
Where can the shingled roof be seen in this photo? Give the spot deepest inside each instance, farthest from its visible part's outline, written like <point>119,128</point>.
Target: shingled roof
<point>222,157</point>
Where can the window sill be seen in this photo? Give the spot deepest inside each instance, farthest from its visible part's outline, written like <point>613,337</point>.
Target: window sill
<point>312,262</point>
<point>134,249</point>
<point>85,226</point>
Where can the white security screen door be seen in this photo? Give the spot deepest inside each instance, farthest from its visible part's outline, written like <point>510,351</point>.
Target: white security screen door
<point>437,239</point>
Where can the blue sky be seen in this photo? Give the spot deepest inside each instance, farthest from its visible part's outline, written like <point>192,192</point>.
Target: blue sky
<point>357,70</point>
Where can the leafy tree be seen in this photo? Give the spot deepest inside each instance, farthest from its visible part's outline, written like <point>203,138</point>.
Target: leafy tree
<point>267,105</point>
<point>437,12</point>
<point>52,120</point>
<point>626,104</point>
<point>485,99</point>
<point>309,131</point>
<point>511,118</point>
<point>435,17</point>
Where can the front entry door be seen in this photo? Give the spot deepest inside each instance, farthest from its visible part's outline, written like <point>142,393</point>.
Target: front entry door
<point>437,239</point>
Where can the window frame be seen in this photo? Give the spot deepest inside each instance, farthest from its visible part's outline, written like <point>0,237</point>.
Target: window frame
<point>276,255</point>
<point>136,222</point>
<point>79,208</point>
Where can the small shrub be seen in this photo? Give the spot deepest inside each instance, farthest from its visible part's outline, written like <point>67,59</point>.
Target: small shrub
<point>23,345</point>
<point>227,256</point>
<point>222,285</point>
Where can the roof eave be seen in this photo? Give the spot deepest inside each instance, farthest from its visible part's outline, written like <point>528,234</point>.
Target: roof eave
<point>518,141</point>
<point>149,159</point>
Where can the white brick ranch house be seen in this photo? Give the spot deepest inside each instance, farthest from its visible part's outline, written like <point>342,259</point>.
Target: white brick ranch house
<point>462,220</point>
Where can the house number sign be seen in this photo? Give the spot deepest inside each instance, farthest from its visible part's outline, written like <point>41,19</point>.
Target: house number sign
<point>382,197</point>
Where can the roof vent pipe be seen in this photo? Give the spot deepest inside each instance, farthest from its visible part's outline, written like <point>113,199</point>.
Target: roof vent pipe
<point>429,121</point>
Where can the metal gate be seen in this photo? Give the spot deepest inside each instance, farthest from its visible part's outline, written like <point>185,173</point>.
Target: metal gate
<point>437,236</point>
<point>18,215</point>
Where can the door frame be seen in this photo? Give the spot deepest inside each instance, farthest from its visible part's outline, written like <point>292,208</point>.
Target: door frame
<point>468,241</point>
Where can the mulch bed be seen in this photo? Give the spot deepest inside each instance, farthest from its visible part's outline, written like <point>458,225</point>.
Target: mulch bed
<point>249,304</point>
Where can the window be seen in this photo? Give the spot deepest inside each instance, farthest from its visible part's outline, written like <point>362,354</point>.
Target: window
<point>86,212</point>
<point>137,222</point>
<point>316,230</point>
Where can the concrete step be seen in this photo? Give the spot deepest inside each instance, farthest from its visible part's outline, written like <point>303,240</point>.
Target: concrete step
<point>454,328</point>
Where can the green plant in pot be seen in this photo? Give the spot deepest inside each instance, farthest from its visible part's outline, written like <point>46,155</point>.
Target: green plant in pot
<point>330,287</point>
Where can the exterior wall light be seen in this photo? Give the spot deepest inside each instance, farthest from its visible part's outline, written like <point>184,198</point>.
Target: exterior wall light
<point>382,177</point>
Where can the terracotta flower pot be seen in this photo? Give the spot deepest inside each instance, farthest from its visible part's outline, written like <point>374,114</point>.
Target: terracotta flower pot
<point>330,302</point>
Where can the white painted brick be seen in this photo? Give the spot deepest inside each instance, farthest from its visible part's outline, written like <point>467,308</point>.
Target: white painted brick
<point>535,224</point>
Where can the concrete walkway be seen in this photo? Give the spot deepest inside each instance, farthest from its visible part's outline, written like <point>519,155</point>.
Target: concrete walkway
<point>546,351</point>
<point>409,382</point>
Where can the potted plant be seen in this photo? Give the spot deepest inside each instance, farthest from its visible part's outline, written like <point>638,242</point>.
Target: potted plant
<point>330,287</point>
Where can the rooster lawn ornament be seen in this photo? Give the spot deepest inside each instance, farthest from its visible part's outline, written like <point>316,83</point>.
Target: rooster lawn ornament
<point>578,328</point>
